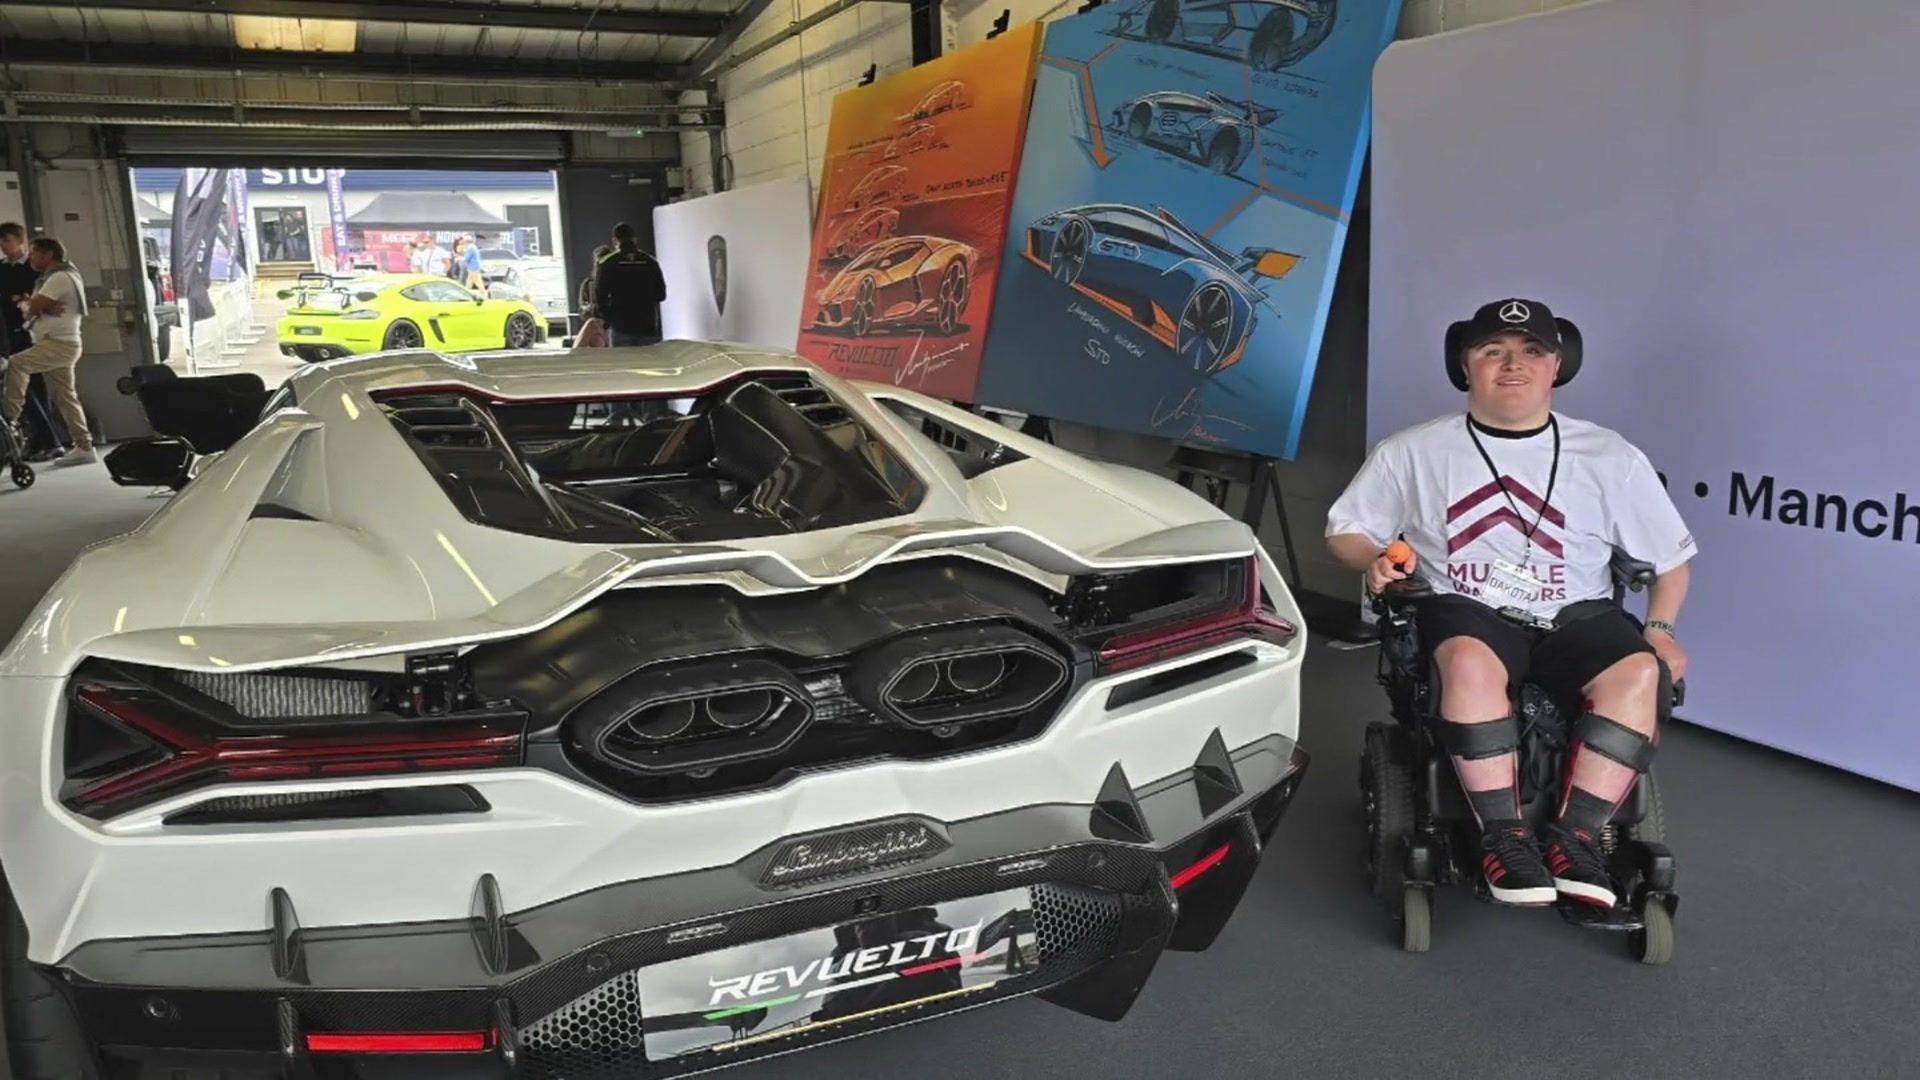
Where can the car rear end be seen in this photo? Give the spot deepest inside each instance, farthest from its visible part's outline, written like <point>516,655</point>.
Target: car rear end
<point>598,850</point>
<point>746,775</point>
<point>546,286</point>
<point>332,321</point>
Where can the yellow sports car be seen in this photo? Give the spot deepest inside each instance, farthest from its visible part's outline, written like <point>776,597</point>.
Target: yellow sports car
<point>333,317</point>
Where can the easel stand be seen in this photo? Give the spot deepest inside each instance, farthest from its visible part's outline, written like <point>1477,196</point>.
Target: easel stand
<point>1218,471</point>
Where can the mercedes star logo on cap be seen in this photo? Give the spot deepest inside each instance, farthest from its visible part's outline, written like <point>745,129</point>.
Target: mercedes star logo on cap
<point>1515,312</point>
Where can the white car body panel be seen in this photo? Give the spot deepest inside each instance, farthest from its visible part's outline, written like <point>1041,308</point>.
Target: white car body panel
<point>547,838</point>
<point>391,566</point>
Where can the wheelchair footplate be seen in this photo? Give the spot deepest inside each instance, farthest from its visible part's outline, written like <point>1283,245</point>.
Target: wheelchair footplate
<point>1590,917</point>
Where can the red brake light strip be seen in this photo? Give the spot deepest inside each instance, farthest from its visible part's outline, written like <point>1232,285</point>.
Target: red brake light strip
<point>1212,859</point>
<point>194,755</point>
<point>400,1042</point>
<point>1160,643</point>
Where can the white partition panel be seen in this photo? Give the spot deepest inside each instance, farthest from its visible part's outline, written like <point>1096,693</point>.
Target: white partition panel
<point>736,264</point>
<point>1721,194</point>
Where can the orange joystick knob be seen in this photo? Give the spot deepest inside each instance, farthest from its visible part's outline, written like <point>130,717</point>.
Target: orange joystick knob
<point>1400,554</point>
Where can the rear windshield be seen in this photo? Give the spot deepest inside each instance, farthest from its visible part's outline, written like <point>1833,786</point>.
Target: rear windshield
<point>771,454</point>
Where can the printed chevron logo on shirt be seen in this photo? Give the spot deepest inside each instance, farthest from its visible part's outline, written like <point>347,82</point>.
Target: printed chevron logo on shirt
<point>1504,515</point>
<point>1520,492</point>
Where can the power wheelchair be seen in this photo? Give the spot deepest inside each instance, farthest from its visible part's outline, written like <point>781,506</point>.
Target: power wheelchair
<point>1421,831</point>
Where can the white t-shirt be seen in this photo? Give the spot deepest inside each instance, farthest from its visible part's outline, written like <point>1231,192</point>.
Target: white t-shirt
<point>431,260</point>
<point>64,286</point>
<point>1431,485</point>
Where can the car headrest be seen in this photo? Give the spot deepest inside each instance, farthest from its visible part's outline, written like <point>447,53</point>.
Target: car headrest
<point>144,375</point>
<point>1572,350</point>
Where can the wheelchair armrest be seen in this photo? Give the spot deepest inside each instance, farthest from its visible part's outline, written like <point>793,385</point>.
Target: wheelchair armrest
<point>1629,573</point>
<point>1400,593</point>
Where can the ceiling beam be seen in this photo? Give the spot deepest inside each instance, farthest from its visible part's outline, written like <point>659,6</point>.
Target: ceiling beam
<point>446,12</point>
<point>184,61</point>
<point>590,116</point>
<point>737,24</point>
<point>326,120</point>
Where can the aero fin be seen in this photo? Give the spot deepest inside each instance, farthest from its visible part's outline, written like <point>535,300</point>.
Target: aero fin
<point>289,958</point>
<point>1215,780</point>
<point>1116,814</point>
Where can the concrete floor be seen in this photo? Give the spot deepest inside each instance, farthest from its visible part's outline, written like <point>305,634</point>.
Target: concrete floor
<point>1797,954</point>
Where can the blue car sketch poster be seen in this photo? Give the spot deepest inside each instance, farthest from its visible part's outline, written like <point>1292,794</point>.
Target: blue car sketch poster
<point>1179,215</point>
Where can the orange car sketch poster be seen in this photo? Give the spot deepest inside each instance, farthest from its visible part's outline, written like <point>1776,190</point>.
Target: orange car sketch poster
<point>913,208</point>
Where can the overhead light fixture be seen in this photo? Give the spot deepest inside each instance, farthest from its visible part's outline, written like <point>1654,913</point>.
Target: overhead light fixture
<point>283,34</point>
<point>627,133</point>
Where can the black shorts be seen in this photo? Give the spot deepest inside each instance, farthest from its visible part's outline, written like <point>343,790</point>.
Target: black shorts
<point>1592,637</point>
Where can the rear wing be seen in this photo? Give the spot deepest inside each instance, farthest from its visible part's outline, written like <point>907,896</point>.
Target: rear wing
<point>315,281</point>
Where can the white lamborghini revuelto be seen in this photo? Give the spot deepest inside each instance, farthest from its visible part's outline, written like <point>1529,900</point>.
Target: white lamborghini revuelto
<point>627,712</point>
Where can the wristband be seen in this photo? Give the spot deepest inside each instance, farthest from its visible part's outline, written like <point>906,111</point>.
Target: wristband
<point>1661,625</point>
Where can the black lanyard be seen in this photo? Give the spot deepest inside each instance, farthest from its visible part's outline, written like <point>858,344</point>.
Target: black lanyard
<point>1553,477</point>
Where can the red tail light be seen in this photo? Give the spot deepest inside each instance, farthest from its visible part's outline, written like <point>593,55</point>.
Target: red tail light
<point>1207,862</point>
<point>1249,617</point>
<point>400,1042</point>
<point>180,750</point>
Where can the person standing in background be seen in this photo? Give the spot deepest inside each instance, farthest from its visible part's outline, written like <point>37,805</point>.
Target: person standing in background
<point>593,330</point>
<point>472,272</point>
<point>429,257</point>
<point>16,284</point>
<point>39,435</point>
<point>627,290</point>
<point>53,315</point>
<point>464,266</point>
<point>418,253</point>
<point>586,283</point>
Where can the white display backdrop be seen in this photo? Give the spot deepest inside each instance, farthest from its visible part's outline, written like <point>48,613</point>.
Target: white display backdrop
<point>1721,194</point>
<point>760,237</point>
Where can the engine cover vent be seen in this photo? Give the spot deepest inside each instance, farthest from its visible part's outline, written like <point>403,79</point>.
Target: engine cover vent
<point>277,697</point>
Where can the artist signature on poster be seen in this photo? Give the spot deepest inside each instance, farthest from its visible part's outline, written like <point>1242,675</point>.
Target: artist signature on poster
<point>1168,413</point>
<point>915,372</point>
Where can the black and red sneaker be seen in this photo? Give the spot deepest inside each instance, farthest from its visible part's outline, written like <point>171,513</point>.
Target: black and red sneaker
<point>1510,860</point>
<point>1579,870</point>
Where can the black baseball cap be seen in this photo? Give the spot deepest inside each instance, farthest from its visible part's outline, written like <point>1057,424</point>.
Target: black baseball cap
<point>1512,315</point>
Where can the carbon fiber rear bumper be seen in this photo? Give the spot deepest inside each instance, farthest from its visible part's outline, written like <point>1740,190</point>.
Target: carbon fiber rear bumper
<point>554,988</point>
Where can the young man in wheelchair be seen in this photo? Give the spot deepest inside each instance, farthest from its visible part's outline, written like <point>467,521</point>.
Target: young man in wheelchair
<point>1512,514</point>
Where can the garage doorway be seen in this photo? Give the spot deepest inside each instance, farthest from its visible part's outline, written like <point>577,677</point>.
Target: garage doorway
<point>230,247</point>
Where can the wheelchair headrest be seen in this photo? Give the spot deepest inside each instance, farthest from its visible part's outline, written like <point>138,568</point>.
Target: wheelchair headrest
<point>1523,316</point>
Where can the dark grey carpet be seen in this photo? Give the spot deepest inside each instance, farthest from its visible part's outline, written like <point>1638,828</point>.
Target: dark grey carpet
<point>1796,956</point>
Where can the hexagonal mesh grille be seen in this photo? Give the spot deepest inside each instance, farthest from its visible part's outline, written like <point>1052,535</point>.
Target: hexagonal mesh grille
<point>1075,923</point>
<point>597,1031</point>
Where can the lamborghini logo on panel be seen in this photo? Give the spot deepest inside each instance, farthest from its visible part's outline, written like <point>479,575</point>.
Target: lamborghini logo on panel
<point>717,271</point>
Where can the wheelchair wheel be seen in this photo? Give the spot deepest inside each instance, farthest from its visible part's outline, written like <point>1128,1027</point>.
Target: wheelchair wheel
<point>22,475</point>
<point>1416,919</point>
<point>1653,943</point>
<point>1386,788</point>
